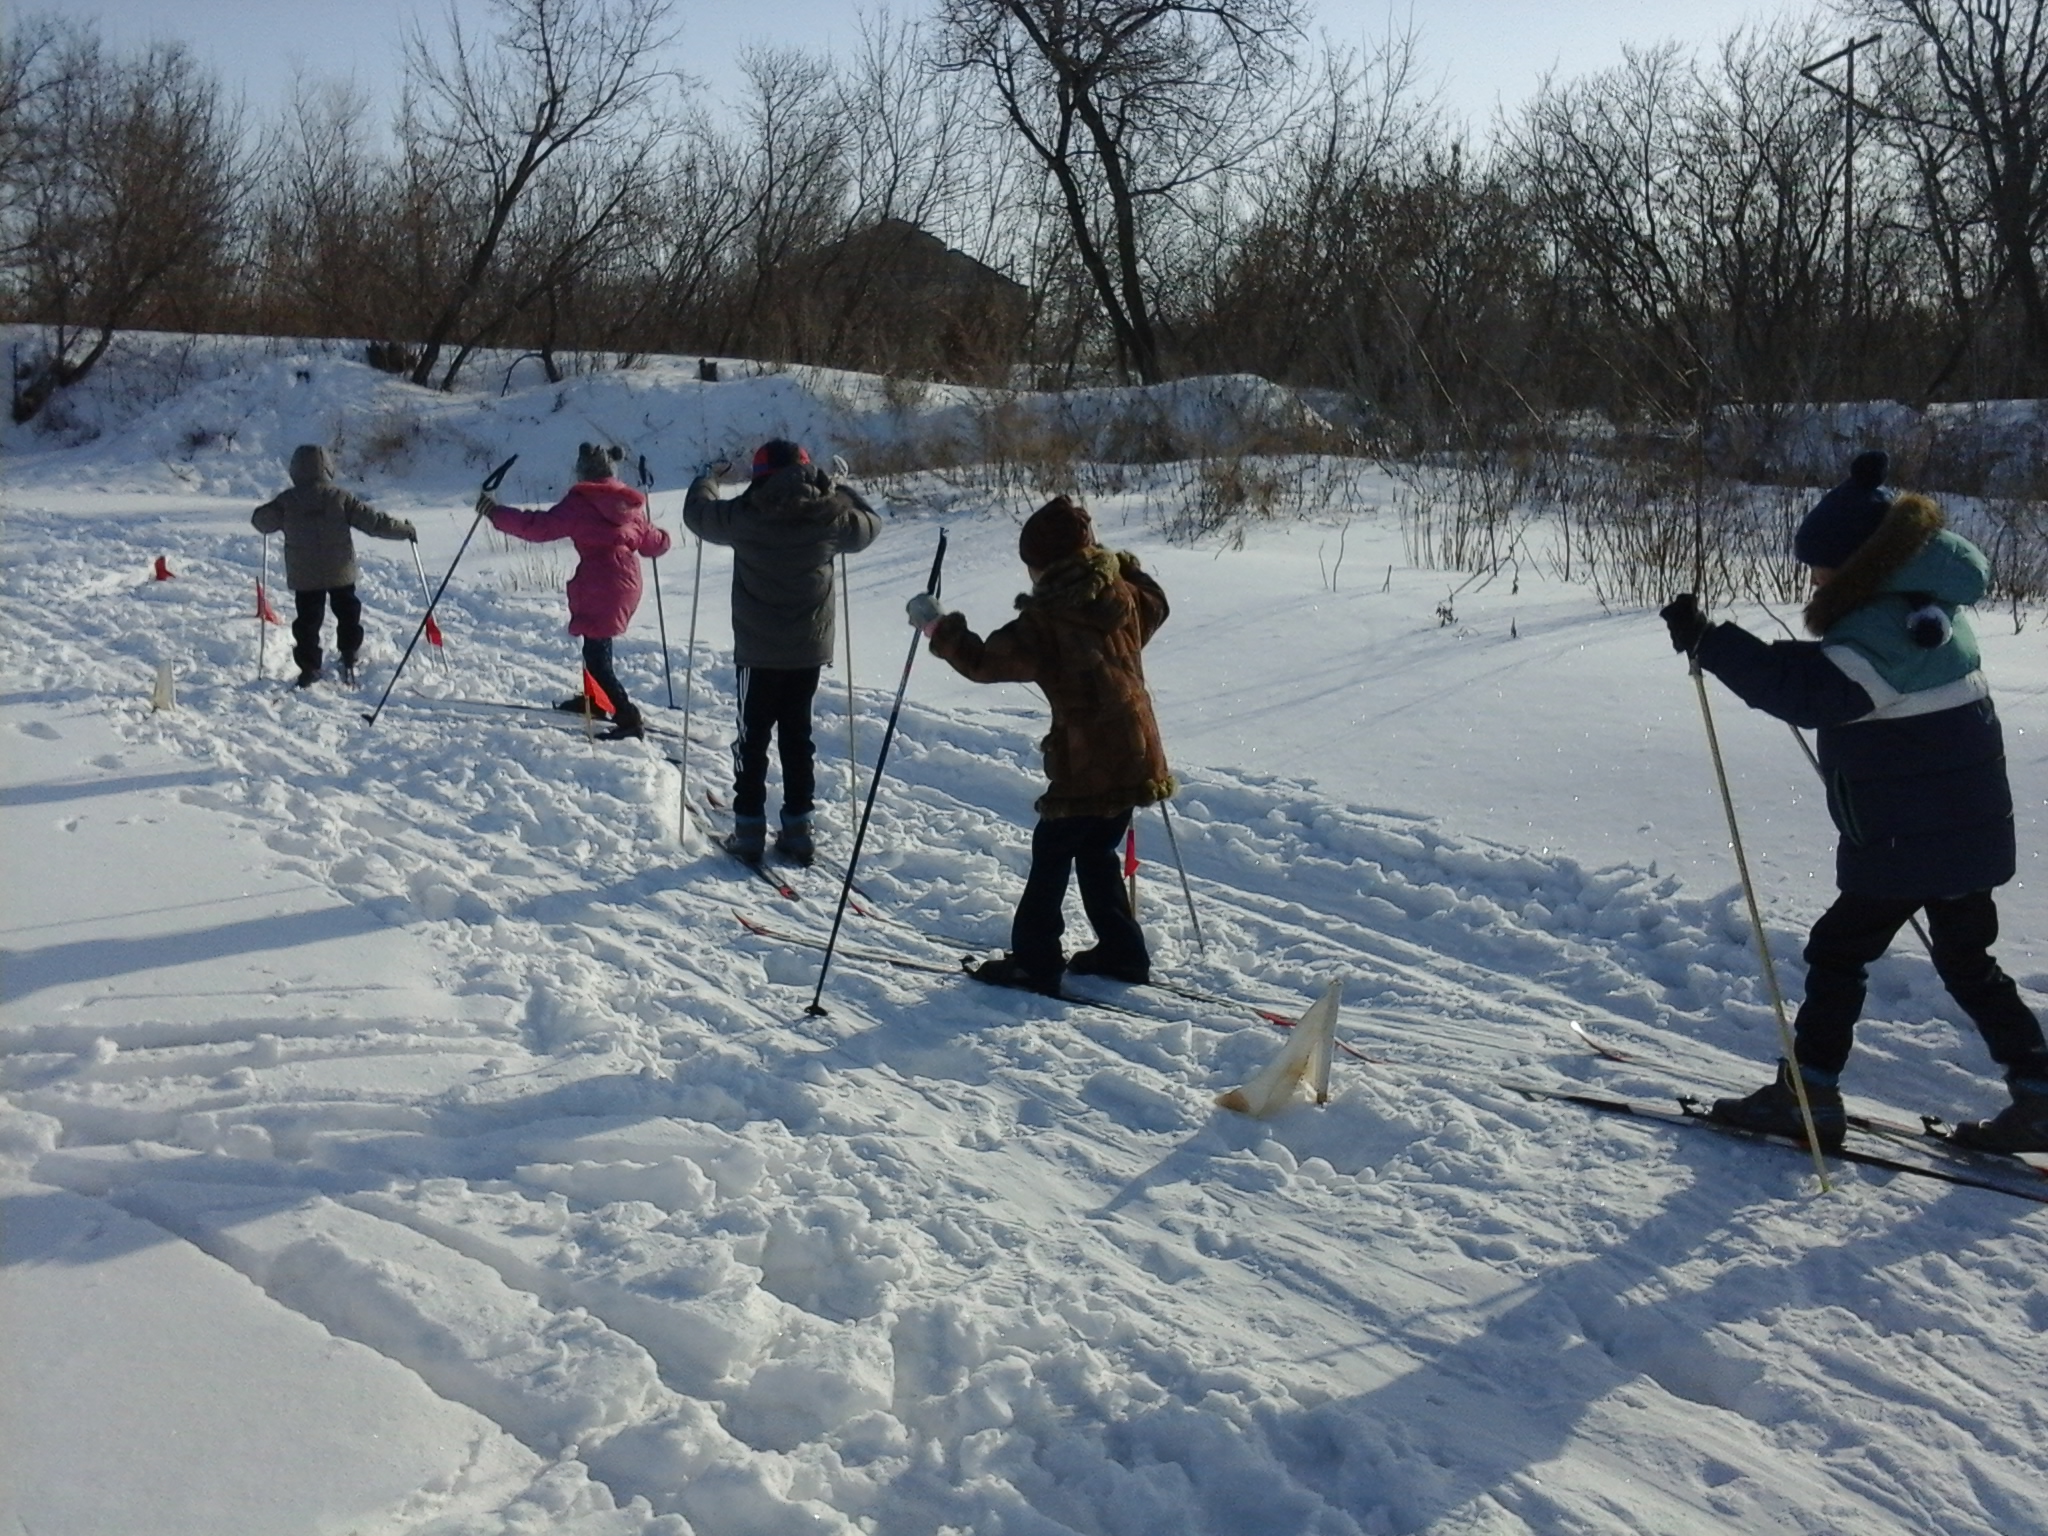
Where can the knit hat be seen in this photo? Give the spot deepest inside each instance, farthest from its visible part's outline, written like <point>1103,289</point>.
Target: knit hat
<point>1841,520</point>
<point>778,453</point>
<point>1054,531</point>
<point>594,462</point>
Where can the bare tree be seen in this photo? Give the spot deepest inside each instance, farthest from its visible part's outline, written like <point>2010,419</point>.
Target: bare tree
<point>1128,105</point>
<point>1691,212</point>
<point>793,177</point>
<point>122,184</point>
<point>1988,62</point>
<point>493,119</point>
<point>324,226</point>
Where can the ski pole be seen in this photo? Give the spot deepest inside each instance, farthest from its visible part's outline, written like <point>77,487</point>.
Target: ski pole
<point>491,483</point>
<point>433,629</point>
<point>689,681</point>
<point>660,613</point>
<point>661,621</point>
<point>262,627</point>
<point>1756,924</point>
<point>852,752</point>
<point>840,469</point>
<point>874,783</point>
<point>1173,842</point>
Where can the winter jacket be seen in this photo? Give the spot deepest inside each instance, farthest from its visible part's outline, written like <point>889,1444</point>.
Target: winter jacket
<point>1909,744</point>
<point>316,516</point>
<point>607,522</point>
<point>783,530</point>
<point>1079,635</point>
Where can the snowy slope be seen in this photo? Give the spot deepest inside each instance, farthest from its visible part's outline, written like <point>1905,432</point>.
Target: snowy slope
<point>402,1134</point>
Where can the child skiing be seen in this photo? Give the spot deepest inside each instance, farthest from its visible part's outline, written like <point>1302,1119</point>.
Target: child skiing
<point>784,530</point>
<point>1079,634</point>
<point>608,523</point>
<point>316,517</point>
<point>1914,760</point>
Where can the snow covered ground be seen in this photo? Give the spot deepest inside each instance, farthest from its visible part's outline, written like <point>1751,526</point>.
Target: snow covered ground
<point>401,1133</point>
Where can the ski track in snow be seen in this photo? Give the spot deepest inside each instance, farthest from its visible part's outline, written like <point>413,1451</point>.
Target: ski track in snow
<point>945,1259</point>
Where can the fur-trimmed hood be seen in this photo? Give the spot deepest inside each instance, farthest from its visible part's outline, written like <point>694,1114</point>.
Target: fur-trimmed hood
<point>1911,551</point>
<point>1082,587</point>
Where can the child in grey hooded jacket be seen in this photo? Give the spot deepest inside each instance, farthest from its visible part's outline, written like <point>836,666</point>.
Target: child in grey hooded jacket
<point>784,530</point>
<point>316,517</point>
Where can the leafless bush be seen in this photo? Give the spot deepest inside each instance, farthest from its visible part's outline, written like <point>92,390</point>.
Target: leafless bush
<point>2019,553</point>
<point>1023,447</point>
<point>1642,521</point>
<point>1226,493</point>
<point>1462,512</point>
<point>390,357</point>
<point>390,440</point>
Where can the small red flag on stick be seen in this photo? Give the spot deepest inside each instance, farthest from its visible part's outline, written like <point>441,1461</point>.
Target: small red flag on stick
<point>599,700</point>
<point>162,571</point>
<point>433,629</point>
<point>264,611</point>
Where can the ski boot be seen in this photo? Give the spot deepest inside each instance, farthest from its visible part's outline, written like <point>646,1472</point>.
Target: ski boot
<point>2022,1126</point>
<point>1092,962</point>
<point>1009,971</point>
<point>626,725</point>
<point>748,839</point>
<point>348,671</point>
<point>307,677</point>
<point>1773,1110</point>
<point>794,841</point>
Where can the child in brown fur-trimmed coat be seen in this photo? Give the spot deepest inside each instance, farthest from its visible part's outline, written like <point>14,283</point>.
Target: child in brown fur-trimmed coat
<point>1079,634</point>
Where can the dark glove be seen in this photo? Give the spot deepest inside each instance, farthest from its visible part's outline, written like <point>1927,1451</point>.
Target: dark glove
<point>410,534</point>
<point>1687,624</point>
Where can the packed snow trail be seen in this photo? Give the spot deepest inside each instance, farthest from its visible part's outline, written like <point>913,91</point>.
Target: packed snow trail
<point>426,1064</point>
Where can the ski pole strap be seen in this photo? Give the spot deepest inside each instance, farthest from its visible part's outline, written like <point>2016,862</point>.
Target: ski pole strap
<point>496,477</point>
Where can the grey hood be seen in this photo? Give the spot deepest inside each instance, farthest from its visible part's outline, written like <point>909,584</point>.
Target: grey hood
<point>310,465</point>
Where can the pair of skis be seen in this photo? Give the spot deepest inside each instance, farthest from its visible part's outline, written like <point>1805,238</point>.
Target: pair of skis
<point>1967,1167</point>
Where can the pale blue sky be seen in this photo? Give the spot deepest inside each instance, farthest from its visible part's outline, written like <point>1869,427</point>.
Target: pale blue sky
<point>1484,51</point>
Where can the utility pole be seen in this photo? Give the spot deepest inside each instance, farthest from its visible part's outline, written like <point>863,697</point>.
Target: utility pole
<point>1846,55</point>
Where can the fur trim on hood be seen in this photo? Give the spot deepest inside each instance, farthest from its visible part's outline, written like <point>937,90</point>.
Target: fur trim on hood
<point>1905,531</point>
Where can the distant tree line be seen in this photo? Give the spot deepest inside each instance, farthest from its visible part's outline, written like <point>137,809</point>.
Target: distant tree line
<point>1131,189</point>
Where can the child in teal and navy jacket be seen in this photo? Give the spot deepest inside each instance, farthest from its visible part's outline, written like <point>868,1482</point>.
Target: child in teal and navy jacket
<point>1914,761</point>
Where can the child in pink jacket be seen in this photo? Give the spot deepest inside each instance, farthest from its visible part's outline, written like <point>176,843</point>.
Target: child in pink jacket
<point>607,521</point>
